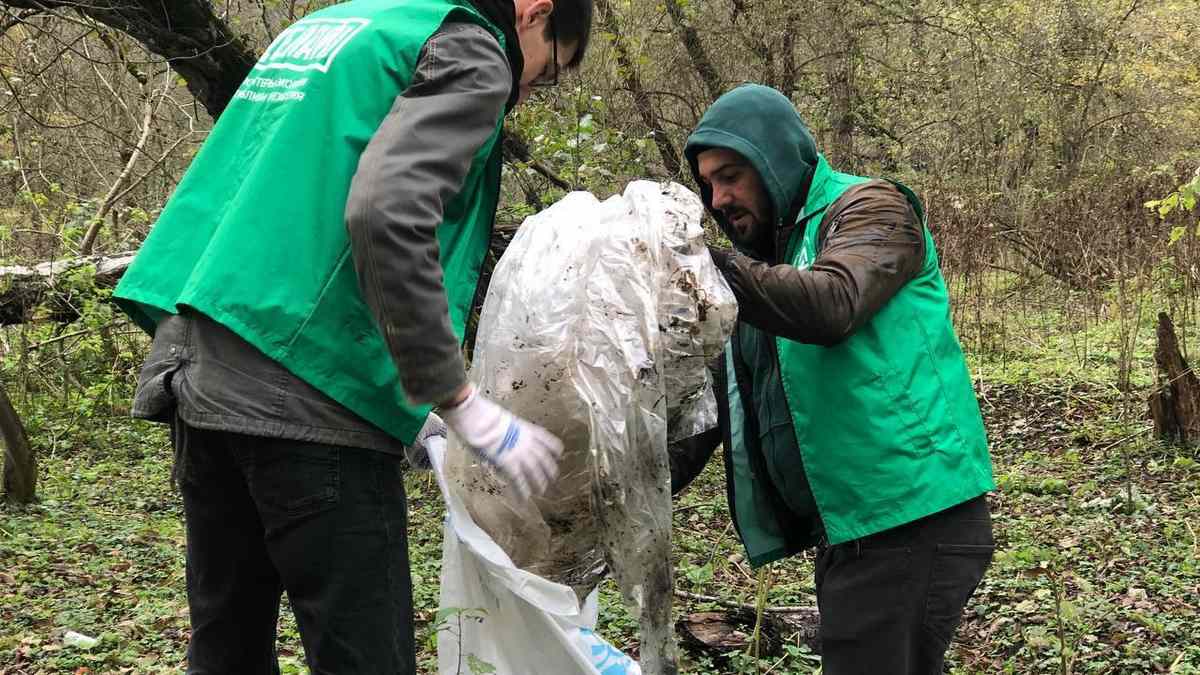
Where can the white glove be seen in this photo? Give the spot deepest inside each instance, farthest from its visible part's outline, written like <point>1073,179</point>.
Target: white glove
<point>524,453</point>
<point>417,454</point>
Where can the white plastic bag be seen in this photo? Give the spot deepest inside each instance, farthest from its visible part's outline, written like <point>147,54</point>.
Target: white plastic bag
<point>598,325</point>
<point>506,618</point>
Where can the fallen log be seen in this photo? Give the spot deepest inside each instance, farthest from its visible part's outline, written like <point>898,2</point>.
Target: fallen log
<point>719,633</point>
<point>37,292</point>
<point>40,291</point>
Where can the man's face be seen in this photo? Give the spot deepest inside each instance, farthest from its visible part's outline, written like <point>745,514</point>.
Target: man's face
<point>737,193</point>
<point>539,42</point>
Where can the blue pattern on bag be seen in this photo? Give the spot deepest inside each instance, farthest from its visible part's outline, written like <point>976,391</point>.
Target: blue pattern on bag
<point>607,659</point>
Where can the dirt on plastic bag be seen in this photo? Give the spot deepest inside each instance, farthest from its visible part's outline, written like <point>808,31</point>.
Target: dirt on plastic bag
<point>599,324</point>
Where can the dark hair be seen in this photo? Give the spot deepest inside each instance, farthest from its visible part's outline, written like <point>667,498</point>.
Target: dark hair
<point>573,25</point>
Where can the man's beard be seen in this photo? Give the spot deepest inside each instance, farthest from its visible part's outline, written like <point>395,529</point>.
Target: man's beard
<point>757,240</point>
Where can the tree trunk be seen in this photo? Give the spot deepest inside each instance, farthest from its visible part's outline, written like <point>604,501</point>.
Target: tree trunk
<point>1175,403</point>
<point>20,467</point>
<point>641,100</point>
<point>842,94</point>
<point>691,42</point>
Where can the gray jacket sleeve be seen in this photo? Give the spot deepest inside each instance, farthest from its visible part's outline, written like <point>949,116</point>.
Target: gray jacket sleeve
<point>872,245</point>
<point>413,165</point>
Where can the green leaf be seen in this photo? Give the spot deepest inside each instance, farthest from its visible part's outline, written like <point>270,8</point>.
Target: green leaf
<point>444,613</point>
<point>1168,205</point>
<point>1177,233</point>
<point>1026,606</point>
<point>1084,584</point>
<point>478,665</point>
<point>700,576</point>
<point>1037,637</point>
<point>1068,610</point>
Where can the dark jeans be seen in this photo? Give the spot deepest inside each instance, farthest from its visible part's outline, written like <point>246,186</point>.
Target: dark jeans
<point>890,602</point>
<point>326,524</point>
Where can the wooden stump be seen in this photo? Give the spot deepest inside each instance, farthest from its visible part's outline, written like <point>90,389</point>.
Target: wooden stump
<point>20,468</point>
<point>1175,402</point>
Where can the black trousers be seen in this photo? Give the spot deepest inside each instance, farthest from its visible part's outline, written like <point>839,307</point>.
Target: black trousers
<point>326,524</point>
<point>890,602</point>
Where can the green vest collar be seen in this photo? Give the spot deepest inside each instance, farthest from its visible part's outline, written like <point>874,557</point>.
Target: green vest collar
<point>820,194</point>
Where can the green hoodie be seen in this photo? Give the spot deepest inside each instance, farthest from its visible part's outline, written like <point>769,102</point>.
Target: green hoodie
<point>885,424</point>
<point>750,121</point>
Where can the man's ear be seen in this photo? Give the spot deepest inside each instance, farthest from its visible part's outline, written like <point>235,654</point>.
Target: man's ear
<point>530,12</point>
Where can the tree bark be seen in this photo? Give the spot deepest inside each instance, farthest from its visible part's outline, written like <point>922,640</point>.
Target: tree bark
<point>20,466</point>
<point>842,94</point>
<point>27,290</point>
<point>691,42</point>
<point>641,100</point>
<point>1175,403</point>
<point>787,78</point>
<point>755,41</point>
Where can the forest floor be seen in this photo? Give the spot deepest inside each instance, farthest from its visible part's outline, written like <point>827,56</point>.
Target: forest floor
<point>1097,526</point>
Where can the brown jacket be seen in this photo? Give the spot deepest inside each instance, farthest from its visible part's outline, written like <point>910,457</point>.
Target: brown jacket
<point>871,243</point>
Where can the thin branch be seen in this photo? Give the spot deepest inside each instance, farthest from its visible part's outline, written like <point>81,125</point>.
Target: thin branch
<point>1124,439</point>
<point>1111,118</point>
<point>67,336</point>
<point>154,165</point>
<point>18,19</point>
<point>515,148</point>
<point>189,35</point>
<point>912,20</point>
<point>104,80</point>
<point>89,238</point>
<point>1094,85</point>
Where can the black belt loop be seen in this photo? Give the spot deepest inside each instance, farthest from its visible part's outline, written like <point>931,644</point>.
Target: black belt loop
<point>858,548</point>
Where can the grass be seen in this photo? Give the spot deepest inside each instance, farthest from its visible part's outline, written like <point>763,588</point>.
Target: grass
<point>1098,529</point>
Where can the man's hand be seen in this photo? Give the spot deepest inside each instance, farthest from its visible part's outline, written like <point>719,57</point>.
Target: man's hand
<point>526,454</point>
<point>417,454</point>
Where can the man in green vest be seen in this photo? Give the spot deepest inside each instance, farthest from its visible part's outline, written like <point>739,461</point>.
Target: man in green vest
<point>847,412</point>
<point>307,287</point>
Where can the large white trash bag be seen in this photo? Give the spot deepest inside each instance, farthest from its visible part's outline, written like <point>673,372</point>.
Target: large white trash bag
<point>598,325</point>
<point>507,618</point>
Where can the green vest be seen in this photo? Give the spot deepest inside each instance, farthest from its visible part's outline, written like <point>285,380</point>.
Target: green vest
<point>254,235</point>
<point>887,423</point>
